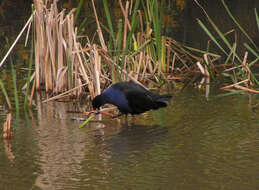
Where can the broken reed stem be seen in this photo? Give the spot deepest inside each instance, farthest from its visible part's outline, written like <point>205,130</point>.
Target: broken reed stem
<point>63,94</point>
<point>99,30</point>
<point>246,89</point>
<point>7,133</point>
<point>232,85</point>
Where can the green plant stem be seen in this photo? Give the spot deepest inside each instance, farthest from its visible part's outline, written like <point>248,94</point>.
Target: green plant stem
<point>5,94</point>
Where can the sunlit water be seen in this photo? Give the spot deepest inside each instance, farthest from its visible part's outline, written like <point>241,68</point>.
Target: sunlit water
<point>192,144</point>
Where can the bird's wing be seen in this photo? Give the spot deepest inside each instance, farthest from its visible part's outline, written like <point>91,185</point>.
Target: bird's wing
<point>139,102</point>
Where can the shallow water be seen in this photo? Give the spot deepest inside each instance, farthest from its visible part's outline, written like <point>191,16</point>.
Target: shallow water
<point>192,144</point>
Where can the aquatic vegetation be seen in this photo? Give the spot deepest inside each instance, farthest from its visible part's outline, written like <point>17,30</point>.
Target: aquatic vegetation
<point>64,62</point>
<point>237,67</point>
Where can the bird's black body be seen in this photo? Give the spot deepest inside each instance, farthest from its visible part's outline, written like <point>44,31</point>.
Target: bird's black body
<point>131,98</point>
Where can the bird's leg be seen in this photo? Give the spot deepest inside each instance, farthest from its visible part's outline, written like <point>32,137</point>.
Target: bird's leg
<point>126,119</point>
<point>133,120</point>
<point>105,113</point>
<point>100,112</point>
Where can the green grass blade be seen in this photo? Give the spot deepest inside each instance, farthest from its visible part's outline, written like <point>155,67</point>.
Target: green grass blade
<point>257,18</point>
<point>251,50</point>
<point>82,25</point>
<point>163,54</point>
<point>140,48</point>
<point>239,26</point>
<point>133,27</point>
<point>229,93</point>
<point>28,79</point>
<point>5,94</point>
<point>108,16</point>
<point>233,49</point>
<point>119,37</point>
<point>78,9</point>
<point>15,86</point>
<point>14,82</point>
<point>69,69</point>
<point>157,30</point>
<point>221,35</point>
<point>211,36</point>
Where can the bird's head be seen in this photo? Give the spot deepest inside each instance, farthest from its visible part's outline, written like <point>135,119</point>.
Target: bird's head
<point>97,102</point>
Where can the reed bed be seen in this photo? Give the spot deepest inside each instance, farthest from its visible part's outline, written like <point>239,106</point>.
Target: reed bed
<point>67,64</point>
<point>236,68</point>
<point>135,50</point>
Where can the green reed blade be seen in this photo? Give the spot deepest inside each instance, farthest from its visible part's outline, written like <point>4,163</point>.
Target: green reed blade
<point>78,9</point>
<point>82,25</point>
<point>14,86</point>
<point>119,37</point>
<point>14,81</point>
<point>108,17</point>
<point>29,72</point>
<point>69,69</point>
<point>211,36</point>
<point>251,50</point>
<point>140,48</point>
<point>230,93</point>
<point>221,35</point>
<point>239,26</point>
<point>157,29</point>
<point>163,54</point>
<point>257,18</point>
<point>5,94</point>
<point>134,20</point>
<point>233,49</point>
<point>201,51</point>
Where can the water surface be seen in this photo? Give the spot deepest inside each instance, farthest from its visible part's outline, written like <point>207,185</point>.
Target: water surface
<point>192,144</point>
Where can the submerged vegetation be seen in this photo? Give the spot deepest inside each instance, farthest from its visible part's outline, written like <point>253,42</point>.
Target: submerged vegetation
<point>64,62</point>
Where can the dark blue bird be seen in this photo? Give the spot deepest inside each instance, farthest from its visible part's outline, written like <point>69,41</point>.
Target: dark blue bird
<point>131,98</point>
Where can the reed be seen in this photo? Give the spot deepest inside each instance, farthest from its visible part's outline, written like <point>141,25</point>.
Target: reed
<point>14,86</point>
<point>29,77</point>
<point>5,95</point>
<point>7,133</point>
<point>239,26</point>
<point>134,49</point>
<point>15,91</point>
<point>237,69</point>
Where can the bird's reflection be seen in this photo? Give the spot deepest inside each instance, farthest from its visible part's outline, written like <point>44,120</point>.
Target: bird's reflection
<point>123,139</point>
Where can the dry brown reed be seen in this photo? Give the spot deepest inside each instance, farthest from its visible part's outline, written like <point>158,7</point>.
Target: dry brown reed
<point>7,133</point>
<point>66,67</point>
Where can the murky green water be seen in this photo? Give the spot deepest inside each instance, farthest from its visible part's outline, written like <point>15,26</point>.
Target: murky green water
<point>192,144</point>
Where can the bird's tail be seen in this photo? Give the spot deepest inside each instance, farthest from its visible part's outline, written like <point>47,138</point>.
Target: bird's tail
<point>161,101</point>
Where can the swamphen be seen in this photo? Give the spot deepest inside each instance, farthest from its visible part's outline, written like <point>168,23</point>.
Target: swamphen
<point>131,98</point>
